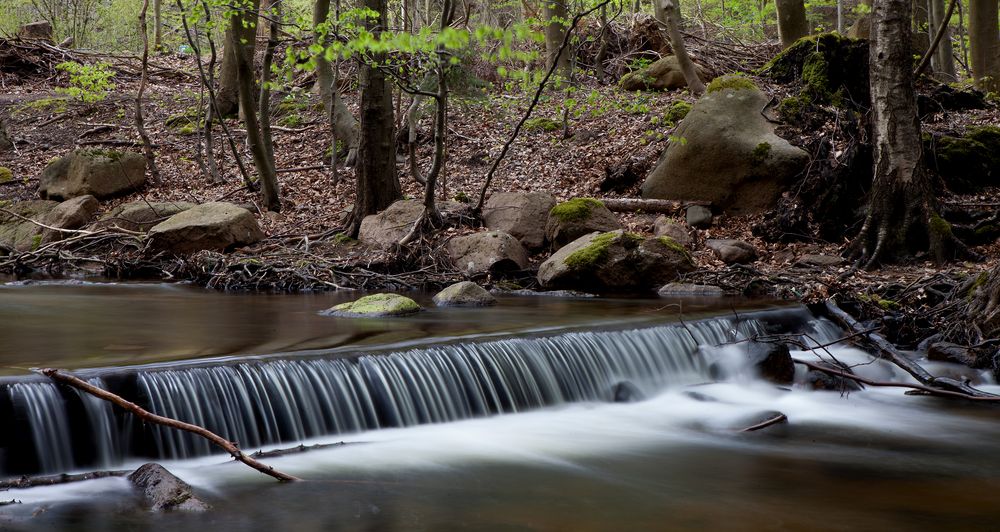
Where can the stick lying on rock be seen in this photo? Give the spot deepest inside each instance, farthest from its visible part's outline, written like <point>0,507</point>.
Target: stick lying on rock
<point>52,480</point>
<point>228,446</point>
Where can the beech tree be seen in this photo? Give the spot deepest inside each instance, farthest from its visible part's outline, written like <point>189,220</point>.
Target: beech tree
<point>556,16</point>
<point>792,24</point>
<point>984,44</point>
<point>241,39</point>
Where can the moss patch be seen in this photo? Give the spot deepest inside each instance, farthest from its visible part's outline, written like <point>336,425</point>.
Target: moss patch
<point>939,227</point>
<point>100,153</point>
<point>541,124</point>
<point>6,176</point>
<point>598,250</point>
<point>731,81</point>
<point>676,112</point>
<point>964,163</point>
<point>575,209</point>
<point>377,305</point>
<point>672,244</point>
<point>760,153</point>
<point>827,67</point>
<point>54,105</point>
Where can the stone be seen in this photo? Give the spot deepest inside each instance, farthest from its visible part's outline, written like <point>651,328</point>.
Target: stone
<point>6,142</point>
<point>662,74</point>
<point>819,380</point>
<point>375,306</point>
<point>954,353</point>
<point>615,261</point>
<point>141,215</point>
<point>164,492</point>
<point>388,227</point>
<point>771,361</point>
<point>39,31</point>
<point>730,156</point>
<point>70,214</point>
<point>100,173</point>
<point>819,261</point>
<point>577,217</point>
<point>698,216</point>
<point>732,251</point>
<point>690,290</point>
<point>523,215</point>
<point>216,226</point>
<point>464,294</point>
<point>491,251</point>
<point>17,230</point>
<point>664,226</point>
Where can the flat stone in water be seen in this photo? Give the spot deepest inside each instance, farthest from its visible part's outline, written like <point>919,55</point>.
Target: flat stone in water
<point>464,294</point>
<point>375,306</point>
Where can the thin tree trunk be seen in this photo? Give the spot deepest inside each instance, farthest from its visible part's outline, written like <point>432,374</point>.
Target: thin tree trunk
<point>694,83</point>
<point>343,125</point>
<point>792,24</point>
<point>942,59</point>
<point>554,13</point>
<point>984,44</point>
<point>140,126</point>
<point>239,40</point>
<point>264,101</point>
<point>157,24</point>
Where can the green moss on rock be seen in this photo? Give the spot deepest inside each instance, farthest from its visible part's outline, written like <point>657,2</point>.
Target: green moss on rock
<point>672,244</point>
<point>731,81</point>
<point>676,112</point>
<point>939,227</point>
<point>575,209</point>
<point>598,250</point>
<point>760,153</point>
<point>541,124</point>
<point>376,305</point>
<point>6,176</point>
<point>827,67</point>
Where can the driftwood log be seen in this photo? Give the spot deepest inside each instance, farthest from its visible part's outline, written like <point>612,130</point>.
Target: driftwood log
<point>228,446</point>
<point>654,206</point>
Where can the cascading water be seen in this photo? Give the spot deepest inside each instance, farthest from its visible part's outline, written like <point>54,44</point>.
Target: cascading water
<point>266,402</point>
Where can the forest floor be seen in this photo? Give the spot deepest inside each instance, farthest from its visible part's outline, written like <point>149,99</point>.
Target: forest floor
<point>607,127</point>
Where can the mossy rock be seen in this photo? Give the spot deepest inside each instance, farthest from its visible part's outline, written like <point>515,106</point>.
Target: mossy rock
<point>676,112</point>
<point>964,163</point>
<point>541,124</point>
<point>662,74</point>
<point>831,68</point>
<point>574,218</point>
<point>375,306</point>
<point>575,209</point>
<point>735,82</point>
<point>6,175</point>
<point>185,122</point>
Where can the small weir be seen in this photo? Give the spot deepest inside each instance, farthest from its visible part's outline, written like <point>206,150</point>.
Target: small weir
<point>51,428</point>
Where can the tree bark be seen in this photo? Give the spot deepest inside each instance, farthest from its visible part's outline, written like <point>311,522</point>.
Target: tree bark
<point>673,10</point>
<point>377,184</point>
<point>343,125</point>
<point>792,24</point>
<point>140,124</point>
<point>942,59</point>
<point>556,18</point>
<point>157,24</point>
<point>241,39</point>
<point>902,215</point>
<point>984,44</point>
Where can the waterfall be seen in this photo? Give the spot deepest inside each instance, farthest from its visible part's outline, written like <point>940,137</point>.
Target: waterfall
<point>263,402</point>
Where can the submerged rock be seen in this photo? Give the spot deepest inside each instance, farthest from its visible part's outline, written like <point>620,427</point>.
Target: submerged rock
<point>375,306</point>
<point>577,217</point>
<point>690,290</point>
<point>100,173</point>
<point>213,226</point>
<point>465,293</point>
<point>165,492</point>
<point>819,380</point>
<point>772,361</point>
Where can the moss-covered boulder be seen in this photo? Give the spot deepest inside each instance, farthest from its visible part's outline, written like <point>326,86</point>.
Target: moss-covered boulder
<point>487,252</point>
<point>967,163</point>
<point>663,74</point>
<point>464,294</point>
<point>731,81</point>
<point>375,306</point>
<point>831,68</point>
<point>615,261</point>
<point>572,219</point>
<point>100,173</point>
<point>726,153</point>
<point>216,226</point>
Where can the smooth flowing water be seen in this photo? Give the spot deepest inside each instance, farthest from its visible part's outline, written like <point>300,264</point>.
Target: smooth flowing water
<point>496,419</point>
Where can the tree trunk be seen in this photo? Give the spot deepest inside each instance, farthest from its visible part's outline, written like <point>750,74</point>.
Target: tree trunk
<point>377,185</point>
<point>157,24</point>
<point>942,60</point>
<point>556,18</point>
<point>921,25</point>
<point>140,124</point>
<point>238,38</point>
<point>673,10</point>
<point>792,24</point>
<point>984,42</point>
<point>271,195</point>
<point>902,217</point>
<point>343,125</point>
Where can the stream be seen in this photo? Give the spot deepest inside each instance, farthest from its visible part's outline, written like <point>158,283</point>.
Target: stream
<point>543,413</point>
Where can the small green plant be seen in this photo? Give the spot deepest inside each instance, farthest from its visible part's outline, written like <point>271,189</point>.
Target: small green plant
<point>462,197</point>
<point>541,124</point>
<point>676,112</point>
<point>639,63</point>
<point>87,83</point>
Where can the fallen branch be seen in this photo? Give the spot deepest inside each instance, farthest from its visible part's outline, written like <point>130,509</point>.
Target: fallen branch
<point>299,449</point>
<point>657,206</point>
<point>52,480</point>
<point>780,418</point>
<point>230,447</point>
<point>917,387</point>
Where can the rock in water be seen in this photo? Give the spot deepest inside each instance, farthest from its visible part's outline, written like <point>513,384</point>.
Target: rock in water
<point>522,215</point>
<point>615,261</point>
<point>729,156</point>
<point>772,361</point>
<point>492,251</point>
<point>100,173</point>
<point>464,294</point>
<point>577,217</point>
<point>214,226</point>
<point>375,306</point>
<point>165,492</point>
<point>663,74</point>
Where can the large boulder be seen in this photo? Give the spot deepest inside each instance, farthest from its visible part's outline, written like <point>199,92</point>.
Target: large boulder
<point>464,294</point>
<point>375,306</point>
<point>521,214</point>
<point>100,173</point>
<point>391,225</point>
<point>492,251</point>
<point>664,226</point>
<point>729,156</point>
<point>663,74</point>
<point>141,215</point>
<point>577,217</point>
<point>165,492</point>
<point>214,226</point>
<point>70,214</point>
<point>17,230</point>
<point>615,261</point>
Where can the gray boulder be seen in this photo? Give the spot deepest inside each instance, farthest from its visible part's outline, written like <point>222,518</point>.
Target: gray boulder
<point>141,215</point>
<point>662,74</point>
<point>771,361</point>
<point>17,231</point>
<point>698,216</point>
<point>615,261</point>
<point>729,156</point>
<point>492,251</point>
<point>390,226</point>
<point>464,294</point>
<point>70,214</point>
<point>165,492</point>
<point>375,306</point>
<point>577,217</point>
<point>214,226</point>
<point>522,215</point>
<point>664,226</point>
<point>732,251</point>
<point>100,173</point>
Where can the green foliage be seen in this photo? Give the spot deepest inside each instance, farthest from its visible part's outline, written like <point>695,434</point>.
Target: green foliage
<point>462,197</point>
<point>575,209</point>
<point>541,124</point>
<point>731,81</point>
<point>793,108</point>
<point>87,83</point>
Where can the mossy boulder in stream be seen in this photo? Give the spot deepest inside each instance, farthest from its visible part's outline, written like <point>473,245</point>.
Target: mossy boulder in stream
<point>572,219</point>
<point>615,261</point>
<point>375,306</point>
